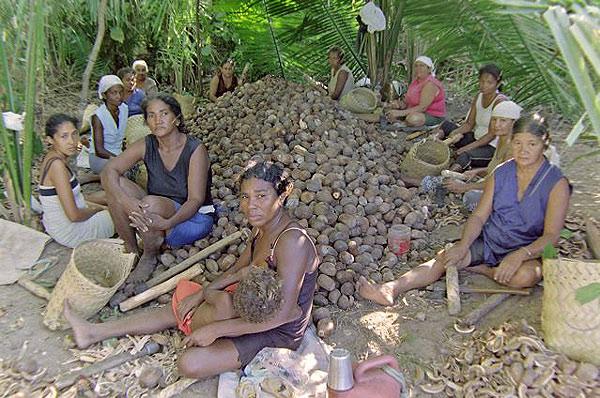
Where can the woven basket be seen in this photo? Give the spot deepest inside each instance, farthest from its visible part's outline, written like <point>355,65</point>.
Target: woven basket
<point>426,158</point>
<point>359,100</point>
<point>569,327</point>
<point>136,129</point>
<point>95,272</point>
<point>187,103</point>
<point>86,120</point>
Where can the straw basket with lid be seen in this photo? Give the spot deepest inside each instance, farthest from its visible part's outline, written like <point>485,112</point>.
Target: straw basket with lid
<point>569,326</point>
<point>95,272</point>
<point>426,158</point>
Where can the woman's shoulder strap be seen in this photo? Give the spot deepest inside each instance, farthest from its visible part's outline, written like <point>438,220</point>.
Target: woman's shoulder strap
<point>47,167</point>
<point>302,231</point>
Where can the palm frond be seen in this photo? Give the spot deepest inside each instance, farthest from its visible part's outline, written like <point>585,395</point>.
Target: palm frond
<point>478,30</point>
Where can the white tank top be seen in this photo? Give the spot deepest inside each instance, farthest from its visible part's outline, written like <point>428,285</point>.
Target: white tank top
<point>113,135</point>
<point>333,81</point>
<point>482,116</point>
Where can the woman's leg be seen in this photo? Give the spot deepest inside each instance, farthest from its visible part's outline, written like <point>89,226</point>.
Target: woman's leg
<point>152,239</point>
<point>120,216</point>
<point>481,157</point>
<point>98,197</point>
<point>465,140</point>
<point>416,119</point>
<point>202,362</point>
<point>421,276</point>
<point>218,308</point>
<point>528,274</point>
<point>87,333</point>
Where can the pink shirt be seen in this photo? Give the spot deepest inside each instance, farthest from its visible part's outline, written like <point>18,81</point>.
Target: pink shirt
<point>413,96</point>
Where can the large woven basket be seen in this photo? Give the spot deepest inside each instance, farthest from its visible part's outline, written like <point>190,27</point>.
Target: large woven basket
<point>187,103</point>
<point>570,327</point>
<point>359,100</point>
<point>136,129</point>
<point>95,272</point>
<point>426,158</point>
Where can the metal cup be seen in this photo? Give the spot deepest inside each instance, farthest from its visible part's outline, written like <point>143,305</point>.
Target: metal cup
<point>340,377</point>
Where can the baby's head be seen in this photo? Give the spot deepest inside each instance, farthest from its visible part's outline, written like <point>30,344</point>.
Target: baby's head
<point>258,296</point>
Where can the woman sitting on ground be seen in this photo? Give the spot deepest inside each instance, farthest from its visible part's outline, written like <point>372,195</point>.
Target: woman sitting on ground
<point>224,81</point>
<point>475,142</point>
<point>67,218</point>
<point>522,210</point>
<point>341,81</point>
<point>142,80</point>
<point>279,243</point>
<point>504,116</point>
<point>177,209</point>
<point>109,122</point>
<point>425,100</point>
<point>132,95</point>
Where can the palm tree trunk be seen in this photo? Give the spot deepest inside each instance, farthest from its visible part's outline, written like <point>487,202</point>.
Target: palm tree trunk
<point>85,80</point>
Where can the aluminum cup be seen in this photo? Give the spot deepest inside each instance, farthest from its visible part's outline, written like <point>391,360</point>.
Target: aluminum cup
<point>340,377</point>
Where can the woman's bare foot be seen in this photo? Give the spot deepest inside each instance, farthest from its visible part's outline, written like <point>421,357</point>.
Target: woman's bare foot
<point>143,269</point>
<point>82,329</point>
<point>380,293</point>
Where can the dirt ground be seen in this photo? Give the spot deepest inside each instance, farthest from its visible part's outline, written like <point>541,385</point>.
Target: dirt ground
<point>417,329</point>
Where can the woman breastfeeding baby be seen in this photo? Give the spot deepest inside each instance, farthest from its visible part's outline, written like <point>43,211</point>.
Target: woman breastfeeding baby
<point>225,332</point>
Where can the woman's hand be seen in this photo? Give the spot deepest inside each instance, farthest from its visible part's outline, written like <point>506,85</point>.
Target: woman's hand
<point>453,256</point>
<point>188,304</point>
<point>470,174</point>
<point>509,266</point>
<point>144,221</point>
<point>455,186</point>
<point>395,114</point>
<point>202,337</point>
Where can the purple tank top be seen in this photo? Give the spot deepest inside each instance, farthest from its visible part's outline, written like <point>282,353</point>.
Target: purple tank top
<point>513,223</point>
<point>294,330</point>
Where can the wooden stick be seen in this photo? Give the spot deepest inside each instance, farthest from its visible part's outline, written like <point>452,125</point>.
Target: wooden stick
<point>176,388</point>
<point>592,236</point>
<point>485,308</point>
<point>519,292</point>
<point>34,288</point>
<point>188,262</point>
<point>415,135</point>
<point>67,380</point>
<point>158,290</point>
<point>452,290</point>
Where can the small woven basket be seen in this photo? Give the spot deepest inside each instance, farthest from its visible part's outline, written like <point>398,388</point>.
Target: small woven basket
<point>426,158</point>
<point>570,327</point>
<point>359,100</point>
<point>136,129</point>
<point>95,272</point>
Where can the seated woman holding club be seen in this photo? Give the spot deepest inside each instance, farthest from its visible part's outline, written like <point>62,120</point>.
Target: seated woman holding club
<point>279,243</point>
<point>523,209</point>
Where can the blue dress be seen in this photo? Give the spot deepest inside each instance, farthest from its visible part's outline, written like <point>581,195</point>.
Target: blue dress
<point>134,102</point>
<point>513,223</point>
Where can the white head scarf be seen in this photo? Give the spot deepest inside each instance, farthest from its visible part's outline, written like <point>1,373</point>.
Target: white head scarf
<point>106,82</point>
<point>507,109</point>
<point>427,61</point>
<point>140,62</point>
